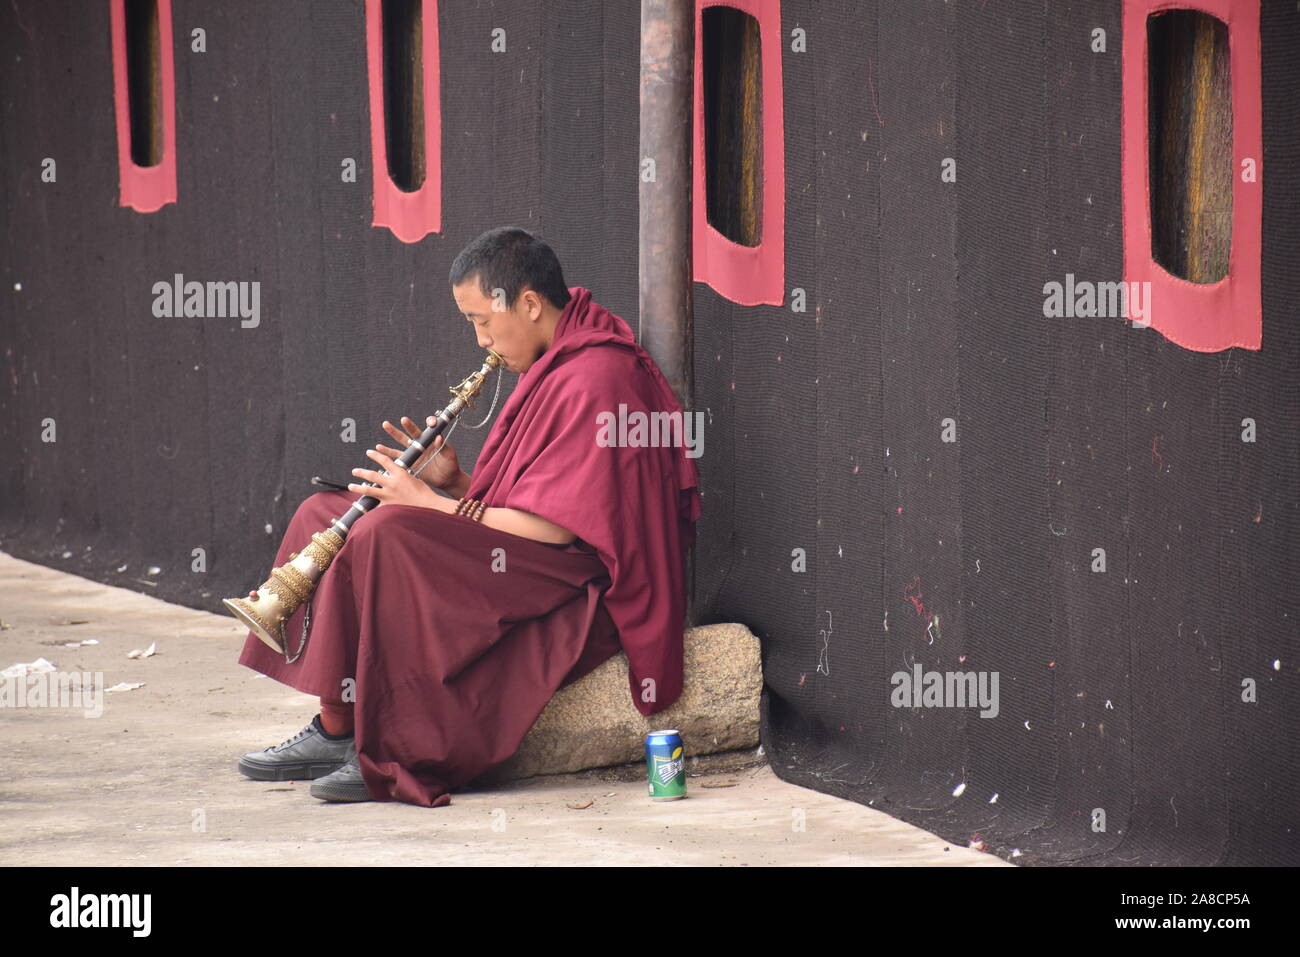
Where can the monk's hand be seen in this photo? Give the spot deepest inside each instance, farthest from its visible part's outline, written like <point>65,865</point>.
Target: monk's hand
<point>398,487</point>
<point>444,468</point>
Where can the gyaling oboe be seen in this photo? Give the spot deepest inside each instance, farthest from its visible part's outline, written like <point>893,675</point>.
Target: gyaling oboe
<point>291,584</point>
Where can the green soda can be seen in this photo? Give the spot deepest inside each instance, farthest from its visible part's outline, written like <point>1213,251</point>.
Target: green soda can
<point>666,765</point>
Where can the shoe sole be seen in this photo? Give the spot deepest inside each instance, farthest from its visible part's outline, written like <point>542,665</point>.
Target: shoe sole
<point>304,771</point>
<point>340,792</point>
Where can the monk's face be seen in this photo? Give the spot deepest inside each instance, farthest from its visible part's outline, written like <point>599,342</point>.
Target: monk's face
<point>514,333</point>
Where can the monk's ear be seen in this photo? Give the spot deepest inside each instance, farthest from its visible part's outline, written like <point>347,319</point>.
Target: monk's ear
<point>534,303</point>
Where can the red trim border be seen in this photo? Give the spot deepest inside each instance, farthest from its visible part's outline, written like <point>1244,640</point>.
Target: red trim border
<point>749,275</point>
<point>410,216</point>
<point>145,189</point>
<point>1201,317</point>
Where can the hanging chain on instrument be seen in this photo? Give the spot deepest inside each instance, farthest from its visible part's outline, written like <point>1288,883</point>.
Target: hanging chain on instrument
<point>306,623</point>
<point>495,394</point>
<point>456,421</point>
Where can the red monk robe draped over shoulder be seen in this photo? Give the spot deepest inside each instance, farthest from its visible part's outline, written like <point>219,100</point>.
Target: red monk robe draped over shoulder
<point>451,658</point>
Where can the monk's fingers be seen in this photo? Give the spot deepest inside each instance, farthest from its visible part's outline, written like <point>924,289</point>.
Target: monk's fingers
<point>370,475</point>
<point>377,489</point>
<point>412,429</point>
<point>393,455</point>
<point>384,461</point>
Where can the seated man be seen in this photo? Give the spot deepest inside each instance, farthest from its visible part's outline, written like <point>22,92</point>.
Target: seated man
<point>438,635</point>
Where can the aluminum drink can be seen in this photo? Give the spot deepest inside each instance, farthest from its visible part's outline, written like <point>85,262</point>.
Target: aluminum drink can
<point>665,765</point>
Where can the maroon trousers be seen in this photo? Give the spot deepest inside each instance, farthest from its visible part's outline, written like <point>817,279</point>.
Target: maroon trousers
<point>450,637</point>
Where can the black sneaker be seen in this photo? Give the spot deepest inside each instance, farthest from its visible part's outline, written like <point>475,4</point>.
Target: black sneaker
<point>307,755</point>
<point>345,784</point>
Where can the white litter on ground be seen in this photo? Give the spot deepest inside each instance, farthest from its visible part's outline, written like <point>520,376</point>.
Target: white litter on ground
<point>125,686</point>
<point>24,668</point>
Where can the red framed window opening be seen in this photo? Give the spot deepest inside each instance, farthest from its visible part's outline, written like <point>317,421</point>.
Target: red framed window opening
<point>405,116</point>
<point>739,184</point>
<point>1193,167</point>
<point>144,102</point>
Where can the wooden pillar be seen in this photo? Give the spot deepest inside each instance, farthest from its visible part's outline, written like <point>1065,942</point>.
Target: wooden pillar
<point>666,305</point>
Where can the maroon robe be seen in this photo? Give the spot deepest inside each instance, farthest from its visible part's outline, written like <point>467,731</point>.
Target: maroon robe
<point>453,655</point>
<point>636,505</point>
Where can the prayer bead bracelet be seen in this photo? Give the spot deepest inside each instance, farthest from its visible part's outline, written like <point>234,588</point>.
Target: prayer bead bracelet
<point>472,508</point>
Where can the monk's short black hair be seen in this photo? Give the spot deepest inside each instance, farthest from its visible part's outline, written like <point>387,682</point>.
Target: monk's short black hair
<point>510,258</point>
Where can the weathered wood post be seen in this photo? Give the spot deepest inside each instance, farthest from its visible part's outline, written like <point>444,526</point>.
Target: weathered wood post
<point>667,327</point>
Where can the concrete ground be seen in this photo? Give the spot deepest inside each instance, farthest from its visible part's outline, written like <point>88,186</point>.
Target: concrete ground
<point>152,780</point>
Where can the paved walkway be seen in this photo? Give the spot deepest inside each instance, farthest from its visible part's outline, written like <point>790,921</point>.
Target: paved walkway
<point>152,779</point>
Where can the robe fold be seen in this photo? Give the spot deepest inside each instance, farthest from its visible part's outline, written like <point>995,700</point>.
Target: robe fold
<point>448,663</point>
<point>635,504</point>
<point>451,636</point>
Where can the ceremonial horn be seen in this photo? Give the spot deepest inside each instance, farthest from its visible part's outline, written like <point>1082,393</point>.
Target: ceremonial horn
<point>292,584</point>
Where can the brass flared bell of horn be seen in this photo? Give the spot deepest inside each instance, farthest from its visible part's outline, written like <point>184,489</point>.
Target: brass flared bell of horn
<point>288,587</point>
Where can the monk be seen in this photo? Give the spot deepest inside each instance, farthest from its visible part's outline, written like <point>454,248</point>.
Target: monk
<point>437,638</point>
